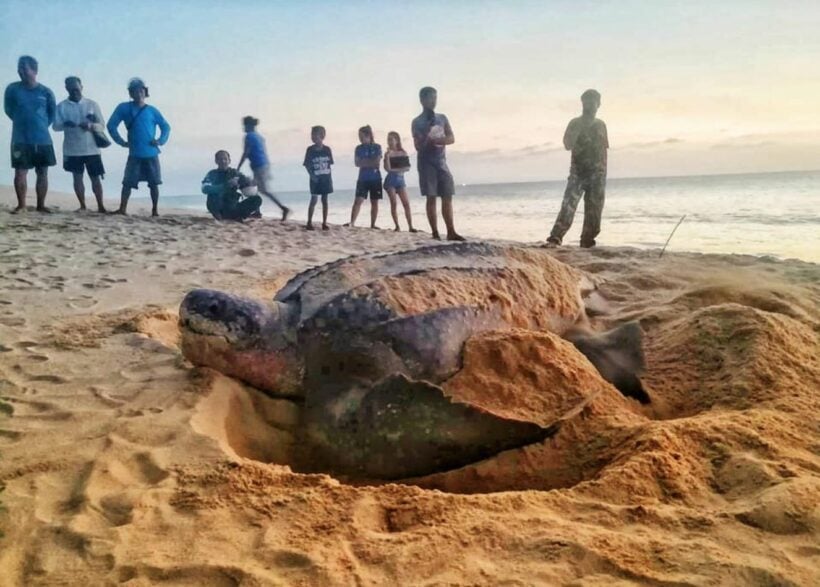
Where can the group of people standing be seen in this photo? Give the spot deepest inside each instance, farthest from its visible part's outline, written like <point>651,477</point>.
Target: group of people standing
<point>233,196</point>
<point>33,109</point>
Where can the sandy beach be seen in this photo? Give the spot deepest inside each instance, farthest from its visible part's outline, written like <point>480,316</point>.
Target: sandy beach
<point>124,464</point>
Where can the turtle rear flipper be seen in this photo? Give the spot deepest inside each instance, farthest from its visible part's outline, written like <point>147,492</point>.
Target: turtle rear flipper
<point>403,428</point>
<point>618,356</point>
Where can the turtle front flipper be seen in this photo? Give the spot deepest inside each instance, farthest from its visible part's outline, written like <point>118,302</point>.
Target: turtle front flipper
<point>404,428</point>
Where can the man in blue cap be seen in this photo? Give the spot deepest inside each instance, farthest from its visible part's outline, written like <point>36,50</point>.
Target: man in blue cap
<point>141,121</point>
<point>31,107</point>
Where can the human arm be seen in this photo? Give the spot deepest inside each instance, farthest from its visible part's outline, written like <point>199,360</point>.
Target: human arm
<point>51,107</point>
<point>210,186</point>
<point>307,163</point>
<point>113,123</point>
<point>448,138</point>
<point>604,135</point>
<point>370,162</point>
<point>387,162</point>
<point>245,151</point>
<point>8,102</point>
<point>164,129</point>
<point>59,123</point>
<point>571,134</point>
<point>94,120</point>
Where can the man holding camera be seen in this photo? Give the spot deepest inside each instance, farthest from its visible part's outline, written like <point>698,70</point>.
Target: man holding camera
<point>79,118</point>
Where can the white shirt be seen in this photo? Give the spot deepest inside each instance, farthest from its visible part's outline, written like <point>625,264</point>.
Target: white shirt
<point>76,141</point>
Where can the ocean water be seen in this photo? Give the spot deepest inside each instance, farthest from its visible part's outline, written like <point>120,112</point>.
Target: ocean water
<point>776,214</point>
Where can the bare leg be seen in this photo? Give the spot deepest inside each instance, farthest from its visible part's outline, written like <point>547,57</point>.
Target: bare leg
<point>432,216</point>
<point>311,208</point>
<point>447,214</point>
<point>374,212</point>
<point>97,188</point>
<point>126,193</point>
<point>154,199</point>
<point>405,202</point>
<point>42,188</point>
<point>79,188</point>
<point>262,184</point>
<point>391,193</point>
<point>354,213</point>
<point>20,188</point>
<point>324,212</point>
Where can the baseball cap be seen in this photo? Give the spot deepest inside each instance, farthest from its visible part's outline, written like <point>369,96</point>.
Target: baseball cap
<point>135,83</point>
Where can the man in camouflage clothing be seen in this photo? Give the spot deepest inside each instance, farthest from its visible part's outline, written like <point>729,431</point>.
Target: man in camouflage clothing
<point>587,139</point>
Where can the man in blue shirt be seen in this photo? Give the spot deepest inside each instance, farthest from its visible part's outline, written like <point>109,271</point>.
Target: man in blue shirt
<point>141,122</point>
<point>31,107</point>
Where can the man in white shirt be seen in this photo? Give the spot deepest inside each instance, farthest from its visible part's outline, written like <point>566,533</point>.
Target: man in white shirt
<point>78,117</point>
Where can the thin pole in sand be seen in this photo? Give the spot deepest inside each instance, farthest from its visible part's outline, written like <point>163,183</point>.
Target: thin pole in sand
<point>671,235</point>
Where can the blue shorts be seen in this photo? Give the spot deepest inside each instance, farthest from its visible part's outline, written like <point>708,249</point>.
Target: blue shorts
<point>394,181</point>
<point>139,169</point>
<point>321,185</point>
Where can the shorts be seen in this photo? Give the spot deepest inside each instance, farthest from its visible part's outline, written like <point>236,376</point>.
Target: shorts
<point>91,163</point>
<point>369,187</point>
<point>435,179</point>
<point>139,169</point>
<point>394,181</point>
<point>321,185</point>
<point>25,156</point>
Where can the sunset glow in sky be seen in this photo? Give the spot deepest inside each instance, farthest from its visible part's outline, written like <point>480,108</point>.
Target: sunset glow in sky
<point>688,87</point>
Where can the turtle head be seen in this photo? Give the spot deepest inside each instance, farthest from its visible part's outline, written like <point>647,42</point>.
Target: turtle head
<point>245,338</point>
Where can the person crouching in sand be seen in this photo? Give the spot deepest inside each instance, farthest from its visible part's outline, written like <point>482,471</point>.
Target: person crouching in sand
<point>587,139</point>
<point>396,164</point>
<point>224,201</point>
<point>368,156</point>
<point>254,151</point>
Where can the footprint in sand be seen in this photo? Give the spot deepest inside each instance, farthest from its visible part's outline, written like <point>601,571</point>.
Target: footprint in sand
<point>82,302</point>
<point>56,379</point>
<point>8,436</point>
<point>12,321</point>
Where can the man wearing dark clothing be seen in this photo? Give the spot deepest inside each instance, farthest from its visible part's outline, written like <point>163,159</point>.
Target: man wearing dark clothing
<point>221,185</point>
<point>586,137</point>
<point>31,107</point>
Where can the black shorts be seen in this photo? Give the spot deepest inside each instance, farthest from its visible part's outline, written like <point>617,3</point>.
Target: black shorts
<point>369,187</point>
<point>139,169</point>
<point>92,163</point>
<point>28,156</point>
<point>435,179</point>
<point>321,185</point>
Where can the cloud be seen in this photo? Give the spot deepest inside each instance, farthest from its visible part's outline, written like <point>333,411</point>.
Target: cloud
<point>652,144</point>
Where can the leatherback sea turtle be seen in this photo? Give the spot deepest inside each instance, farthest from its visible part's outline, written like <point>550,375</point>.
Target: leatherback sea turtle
<point>368,344</point>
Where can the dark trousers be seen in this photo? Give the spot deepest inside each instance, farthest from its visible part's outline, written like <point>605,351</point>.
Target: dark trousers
<point>592,188</point>
<point>241,209</point>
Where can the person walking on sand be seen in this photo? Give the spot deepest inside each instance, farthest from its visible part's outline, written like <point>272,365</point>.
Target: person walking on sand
<point>396,164</point>
<point>587,139</point>
<point>431,134</point>
<point>367,157</point>
<point>77,117</point>
<point>141,121</point>
<point>255,152</point>
<point>31,107</point>
<point>318,159</point>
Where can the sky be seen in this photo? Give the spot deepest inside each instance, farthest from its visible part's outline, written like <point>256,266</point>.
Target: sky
<point>688,88</point>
